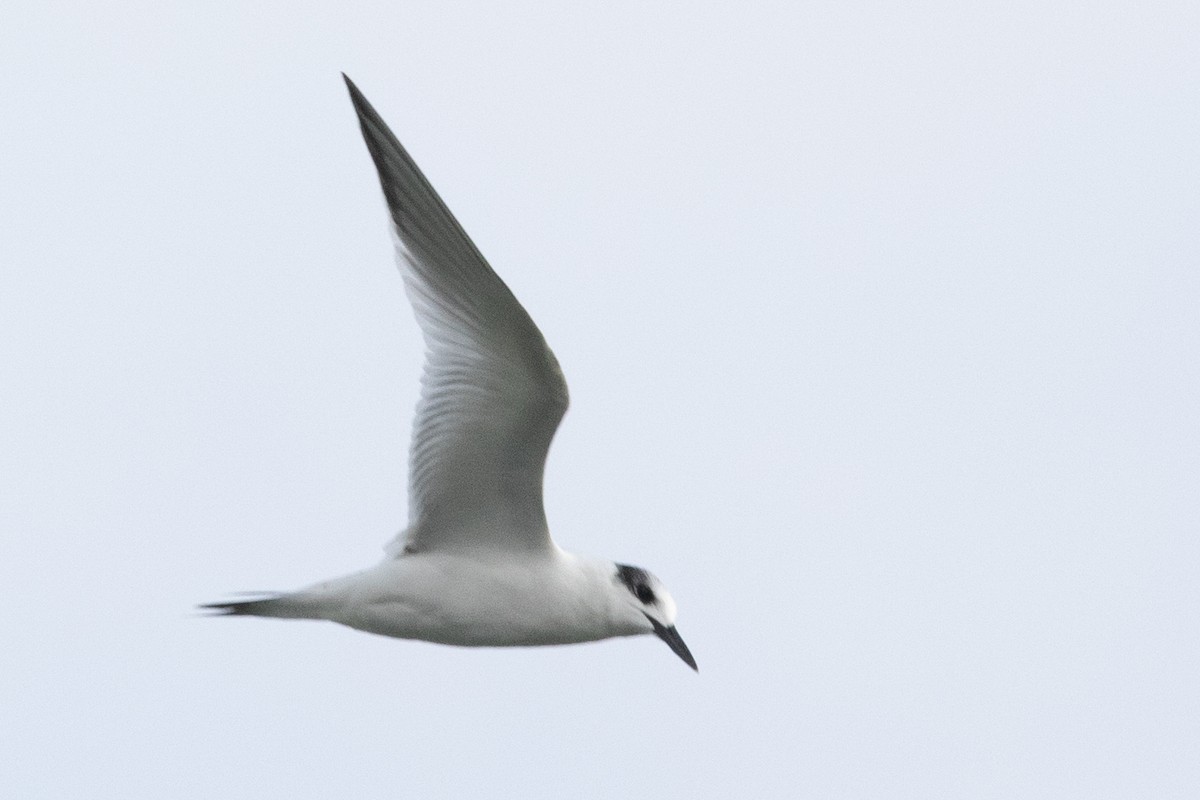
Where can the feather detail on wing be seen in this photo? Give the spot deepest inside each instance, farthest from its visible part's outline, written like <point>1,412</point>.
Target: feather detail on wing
<point>492,393</point>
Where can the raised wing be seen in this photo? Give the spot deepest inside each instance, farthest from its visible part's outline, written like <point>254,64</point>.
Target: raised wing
<point>492,393</point>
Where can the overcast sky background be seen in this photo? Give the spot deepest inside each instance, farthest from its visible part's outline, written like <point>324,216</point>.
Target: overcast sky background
<point>880,322</point>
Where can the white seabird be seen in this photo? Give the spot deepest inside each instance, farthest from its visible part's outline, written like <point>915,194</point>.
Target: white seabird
<point>476,565</point>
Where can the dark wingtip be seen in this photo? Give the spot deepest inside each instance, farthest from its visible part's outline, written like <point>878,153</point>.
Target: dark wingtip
<point>356,97</point>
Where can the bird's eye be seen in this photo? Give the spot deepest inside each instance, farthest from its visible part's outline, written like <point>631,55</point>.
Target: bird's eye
<point>645,594</point>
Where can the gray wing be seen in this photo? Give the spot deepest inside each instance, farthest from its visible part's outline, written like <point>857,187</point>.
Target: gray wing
<point>492,393</point>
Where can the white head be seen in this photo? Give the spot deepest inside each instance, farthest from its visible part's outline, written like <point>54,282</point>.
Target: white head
<point>648,606</point>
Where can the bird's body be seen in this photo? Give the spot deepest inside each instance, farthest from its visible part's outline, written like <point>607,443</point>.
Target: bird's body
<point>476,565</point>
<point>552,598</point>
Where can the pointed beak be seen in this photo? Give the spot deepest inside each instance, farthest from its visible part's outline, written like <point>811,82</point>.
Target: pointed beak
<point>674,641</point>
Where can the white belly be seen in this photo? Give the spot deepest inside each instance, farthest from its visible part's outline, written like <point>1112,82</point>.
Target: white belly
<point>438,598</point>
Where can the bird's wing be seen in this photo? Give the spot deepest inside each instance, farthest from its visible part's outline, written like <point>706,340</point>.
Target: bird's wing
<point>492,393</point>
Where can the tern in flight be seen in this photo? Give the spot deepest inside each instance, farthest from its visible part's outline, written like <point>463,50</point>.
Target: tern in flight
<point>476,566</point>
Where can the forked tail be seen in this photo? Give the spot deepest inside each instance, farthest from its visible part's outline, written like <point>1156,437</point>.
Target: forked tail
<point>273,605</point>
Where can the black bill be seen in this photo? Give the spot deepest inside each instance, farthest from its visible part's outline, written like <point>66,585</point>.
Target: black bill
<point>674,641</point>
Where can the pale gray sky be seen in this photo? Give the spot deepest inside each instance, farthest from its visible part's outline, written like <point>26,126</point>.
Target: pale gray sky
<point>880,323</point>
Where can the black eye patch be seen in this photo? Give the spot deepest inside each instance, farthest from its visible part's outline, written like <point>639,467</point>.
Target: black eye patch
<point>635,579</point>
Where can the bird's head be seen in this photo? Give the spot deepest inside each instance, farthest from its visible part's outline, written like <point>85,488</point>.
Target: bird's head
<point>648,604</point>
